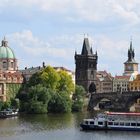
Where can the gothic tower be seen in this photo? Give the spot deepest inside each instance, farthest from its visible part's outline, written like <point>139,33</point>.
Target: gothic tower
<point>131,66</point>
<point>86,66</point>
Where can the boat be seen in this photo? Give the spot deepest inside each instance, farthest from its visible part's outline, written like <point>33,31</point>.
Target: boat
<point>8,113</point>
<point>113,121</point>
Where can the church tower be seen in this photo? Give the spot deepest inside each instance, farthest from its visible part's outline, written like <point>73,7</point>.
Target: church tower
<point>131,66</point>
<point>86,66</point>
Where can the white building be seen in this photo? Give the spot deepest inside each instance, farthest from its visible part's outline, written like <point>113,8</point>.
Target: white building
<point>121,83</point>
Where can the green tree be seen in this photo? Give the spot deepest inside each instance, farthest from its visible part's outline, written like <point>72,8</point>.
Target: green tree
<point>15,103</point>
<point>60,102</point>
<point>78,98</point>
<point>37,100</point>
<point>65,82</point>
<point>48,90</point>
<point>34,80</point>
<point>49,77</point>
<point>1,105</point>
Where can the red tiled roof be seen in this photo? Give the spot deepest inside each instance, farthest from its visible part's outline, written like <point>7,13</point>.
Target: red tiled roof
<point>122,77</point>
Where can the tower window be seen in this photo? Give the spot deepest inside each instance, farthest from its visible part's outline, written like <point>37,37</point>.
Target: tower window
<point>12,64</point>
<point>4,65</point>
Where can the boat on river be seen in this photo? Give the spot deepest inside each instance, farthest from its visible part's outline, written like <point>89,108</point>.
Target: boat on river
<point>113,121</point>
<point>8,113</point>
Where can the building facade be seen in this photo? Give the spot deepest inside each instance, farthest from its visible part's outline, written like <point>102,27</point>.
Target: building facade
<point>104,82</point>
<point>10,78</point>
<point>135,84</point>
<point>86,67</point>
<point>121,83</point>
<point>131,66</point>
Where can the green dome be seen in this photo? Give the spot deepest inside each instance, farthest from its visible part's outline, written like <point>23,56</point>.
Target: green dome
<point>5,51</point>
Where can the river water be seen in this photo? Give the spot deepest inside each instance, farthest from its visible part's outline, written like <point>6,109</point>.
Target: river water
<point>56,127</point>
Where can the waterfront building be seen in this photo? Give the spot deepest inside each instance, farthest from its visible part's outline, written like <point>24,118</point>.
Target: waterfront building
<point>134,85</point>
<point>86,67</point>
<point>104,82</point>
<point>121,83</point>
<point>10,78</point>
<point>131,66</point>
<point>28,72</point>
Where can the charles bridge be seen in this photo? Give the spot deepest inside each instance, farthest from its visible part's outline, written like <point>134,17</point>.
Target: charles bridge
<point>119,100</point>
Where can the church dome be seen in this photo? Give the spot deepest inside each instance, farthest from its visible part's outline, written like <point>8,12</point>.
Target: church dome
<point>5,51</point>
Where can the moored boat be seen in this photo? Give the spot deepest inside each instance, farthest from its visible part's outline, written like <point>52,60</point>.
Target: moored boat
<point>113,121</point>
<point>8,113</point>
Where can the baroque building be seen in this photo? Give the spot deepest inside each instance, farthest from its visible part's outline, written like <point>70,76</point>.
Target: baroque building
<point>10,78</point>
<point>86,67</point>
<point>131,66</point>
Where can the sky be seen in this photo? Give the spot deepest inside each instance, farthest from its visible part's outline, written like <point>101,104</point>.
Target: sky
<point>51,31</point>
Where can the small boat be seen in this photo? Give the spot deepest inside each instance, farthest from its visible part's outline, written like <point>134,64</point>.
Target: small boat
<point>113,121</point>
<point>8,113</point>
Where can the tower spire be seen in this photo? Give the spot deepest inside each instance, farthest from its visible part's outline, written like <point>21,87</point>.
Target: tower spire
<point>86,48</point>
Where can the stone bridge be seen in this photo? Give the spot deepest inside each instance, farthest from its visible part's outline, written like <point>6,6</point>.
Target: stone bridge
<point>119,101</point>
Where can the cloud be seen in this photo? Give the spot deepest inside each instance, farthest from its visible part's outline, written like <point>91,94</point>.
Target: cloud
<point>71,10</point>
<point>34,45</point>
<point>59,50</point>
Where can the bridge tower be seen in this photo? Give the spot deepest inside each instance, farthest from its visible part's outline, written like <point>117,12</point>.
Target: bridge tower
<point>131,66</point>
<point>86,66</point>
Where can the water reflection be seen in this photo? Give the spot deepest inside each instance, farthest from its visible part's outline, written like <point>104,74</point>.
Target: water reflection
<point>56,127</point>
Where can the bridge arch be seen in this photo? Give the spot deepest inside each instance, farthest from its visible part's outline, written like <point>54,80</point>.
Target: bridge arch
<point>131,101</point>
<point>92,88</point>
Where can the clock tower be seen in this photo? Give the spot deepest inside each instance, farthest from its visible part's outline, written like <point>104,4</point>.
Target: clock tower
<point>131,66</point>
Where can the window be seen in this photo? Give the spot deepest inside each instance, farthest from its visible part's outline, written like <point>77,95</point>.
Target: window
<point>133,124</point>
<point>138,124</point>
<point>121,123</point>
<point>116,123</point>
<point>12,64</point>
<point>110,123</point>
<point>4,65</point>
<point>127,124</point>
<point>91,122</point>
<point>100,123</point>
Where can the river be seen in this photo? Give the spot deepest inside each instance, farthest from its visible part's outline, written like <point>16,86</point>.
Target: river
<point>56,127</point>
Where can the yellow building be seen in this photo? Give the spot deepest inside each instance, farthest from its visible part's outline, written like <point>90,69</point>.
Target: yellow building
<point>135,84</point>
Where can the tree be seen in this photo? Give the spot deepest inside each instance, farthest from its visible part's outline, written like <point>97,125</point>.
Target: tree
<point>60,102</point>
<point>49,77</point>
<point>37,100</point>
<point>78,98</point>
<point>15,103</point>
<point>1,105</point>
<point>65,82</point>
<point>48,90</point>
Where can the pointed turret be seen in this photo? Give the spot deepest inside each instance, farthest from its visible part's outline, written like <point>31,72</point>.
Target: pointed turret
<point>86,50</point>
<point>131,53</point>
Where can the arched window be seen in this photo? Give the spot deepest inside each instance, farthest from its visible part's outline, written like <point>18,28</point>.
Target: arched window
<point>12,64</point>
<point>92,88</point>
<point>4,65</point>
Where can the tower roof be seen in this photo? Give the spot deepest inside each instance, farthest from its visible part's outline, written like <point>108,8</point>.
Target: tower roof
<point>5,51</point>
<point>131,54</point>
<point>86,50</point>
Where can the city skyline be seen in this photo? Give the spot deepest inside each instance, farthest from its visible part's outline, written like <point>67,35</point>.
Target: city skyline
<point>51,31</point>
